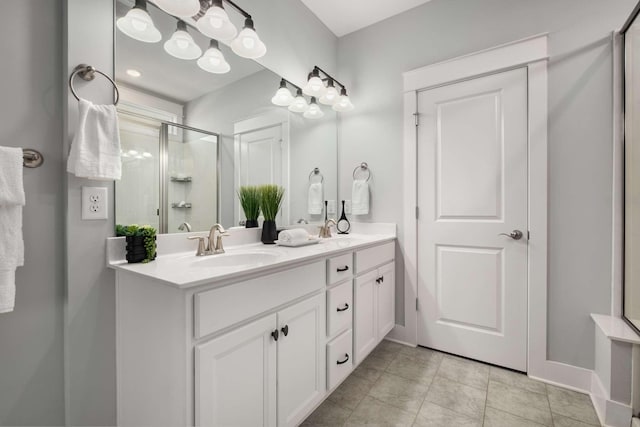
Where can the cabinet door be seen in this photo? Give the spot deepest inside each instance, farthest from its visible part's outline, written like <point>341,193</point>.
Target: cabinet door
<point>386,300</point>
<point>236,377</point>
<point>365,311</point>
<point>301,359</point>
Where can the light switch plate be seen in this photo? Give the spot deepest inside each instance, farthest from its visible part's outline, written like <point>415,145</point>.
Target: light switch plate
<point>94,203</point>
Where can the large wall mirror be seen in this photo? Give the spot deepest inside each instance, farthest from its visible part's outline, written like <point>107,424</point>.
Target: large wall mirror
<point>191,138</point>
<point>631,34</point>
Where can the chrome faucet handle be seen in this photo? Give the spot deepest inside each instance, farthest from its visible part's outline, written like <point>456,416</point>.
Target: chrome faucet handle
<point>219,249</point>
<point>201,251</point>
<point>215,247</point>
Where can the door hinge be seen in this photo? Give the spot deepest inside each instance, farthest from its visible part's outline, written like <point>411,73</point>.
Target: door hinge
<point>528,235</point>
<point>417,306</point>
<point>417,117</point>
<point>417,212</point>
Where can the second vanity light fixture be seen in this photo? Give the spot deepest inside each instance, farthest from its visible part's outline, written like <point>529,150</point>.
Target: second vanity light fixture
<point>214,23</point>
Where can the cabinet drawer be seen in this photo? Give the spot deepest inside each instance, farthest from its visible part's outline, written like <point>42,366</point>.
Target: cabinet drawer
<point>367,259</point>
<point>339,359</point>
<point>222,307</point>
<point>339,268</point>
<point>339,308</point>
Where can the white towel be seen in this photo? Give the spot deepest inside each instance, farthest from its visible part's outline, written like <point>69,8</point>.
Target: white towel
<point>11,243</point>
<point>95,150</point>
<point>360,197</point>
<point>316,197</point>
<point>293,235</point>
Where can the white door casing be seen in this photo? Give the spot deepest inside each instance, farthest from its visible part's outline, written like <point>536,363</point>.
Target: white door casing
<point>472,187</point>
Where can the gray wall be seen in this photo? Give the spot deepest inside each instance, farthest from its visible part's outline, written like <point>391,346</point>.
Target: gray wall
<point>31,337</point>
<point>371,62</point>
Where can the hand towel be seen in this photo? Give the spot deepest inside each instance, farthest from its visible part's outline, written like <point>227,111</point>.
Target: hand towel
<point>95,150</point>
<point>360,197</point>
<point>11,243</point>
<point>316,197</point>
<point>293,235</point>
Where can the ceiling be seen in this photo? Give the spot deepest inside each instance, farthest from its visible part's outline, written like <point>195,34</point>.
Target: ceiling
<point>346,16</point>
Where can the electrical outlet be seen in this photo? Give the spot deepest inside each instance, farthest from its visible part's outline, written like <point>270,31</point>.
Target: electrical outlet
<point>347,206</point>
<point>94,203</point>
<point>331,207</point>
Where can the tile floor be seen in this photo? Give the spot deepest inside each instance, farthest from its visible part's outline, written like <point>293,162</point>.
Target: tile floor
<point>403,386</point>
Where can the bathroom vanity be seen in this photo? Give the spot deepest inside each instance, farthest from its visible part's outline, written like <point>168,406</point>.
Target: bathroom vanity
<point>258,336</point>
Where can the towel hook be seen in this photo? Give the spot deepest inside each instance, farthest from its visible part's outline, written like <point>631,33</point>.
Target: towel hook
<point>88,73</point>
<point>364,167</point>
<point>316,172</point>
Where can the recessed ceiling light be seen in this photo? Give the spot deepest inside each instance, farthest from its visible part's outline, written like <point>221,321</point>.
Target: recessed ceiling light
<point>134,73</point>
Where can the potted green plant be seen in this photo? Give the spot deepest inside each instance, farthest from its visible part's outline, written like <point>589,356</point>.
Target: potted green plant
<point>270,201</point>
<point>249,196</point>
<point>141,242</point>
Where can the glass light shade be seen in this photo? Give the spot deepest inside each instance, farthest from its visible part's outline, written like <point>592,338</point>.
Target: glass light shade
<point>343,105</point>
<point>179,8</point>
<point>213,60</point>
<point>330,97</point>
<point>283,97</point>
<point>216,24</point>
<point>248,44</point>
<point>314,111</point>
<point>138,25</point>
<point>299,104</point>
<point>315,87</point>
<point>181,44</point>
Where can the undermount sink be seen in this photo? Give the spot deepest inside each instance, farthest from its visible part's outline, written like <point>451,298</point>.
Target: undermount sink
<point>241,259</point>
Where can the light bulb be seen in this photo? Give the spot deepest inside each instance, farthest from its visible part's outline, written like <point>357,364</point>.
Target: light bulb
<point>299,104</point>
<point>213,60</point>
<point>330,97</point>
<point>248,44</point>
<point>344,103</point>
<point>283,96</point>
<point>315,86</point>
<point>179,8</point>
<point>314,111</point>
<point>181,44</point>
<point>138,25</point>
<point>216,23</point>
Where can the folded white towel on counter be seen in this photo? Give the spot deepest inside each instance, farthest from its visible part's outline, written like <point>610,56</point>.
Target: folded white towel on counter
<point>360,197</point>
<point>293,235</point>
<point>11,242</point>
<point>95,150</point>
<point>316,197</point>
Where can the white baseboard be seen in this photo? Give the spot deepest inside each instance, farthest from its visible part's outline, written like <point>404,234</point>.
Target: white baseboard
<point>635,422</point>
<point>562,375</point>
<point>610,413</point>
<point>388,338</point>
<point>403,335</point>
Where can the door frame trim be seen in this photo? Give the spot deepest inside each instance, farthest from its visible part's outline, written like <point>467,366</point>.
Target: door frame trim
<point>531,53</point>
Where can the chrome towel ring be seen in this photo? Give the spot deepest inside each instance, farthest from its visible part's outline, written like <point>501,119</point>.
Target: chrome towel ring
<point>316,172</point>
<point>88,73</point>
<point>363,167</point>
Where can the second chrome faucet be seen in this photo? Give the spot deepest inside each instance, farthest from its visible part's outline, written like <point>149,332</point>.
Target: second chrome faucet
<point>214,244</point>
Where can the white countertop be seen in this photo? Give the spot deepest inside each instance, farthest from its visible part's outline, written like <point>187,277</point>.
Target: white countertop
<point>184,270</point>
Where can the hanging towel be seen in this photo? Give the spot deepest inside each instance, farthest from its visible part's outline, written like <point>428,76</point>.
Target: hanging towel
<point>95,150</point>
<point>293,235</point>
<point>360,197</point>
<point>316,198</point>
<point>11,244</point>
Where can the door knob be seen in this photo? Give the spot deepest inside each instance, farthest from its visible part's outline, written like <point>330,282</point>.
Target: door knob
<point>515,234</point>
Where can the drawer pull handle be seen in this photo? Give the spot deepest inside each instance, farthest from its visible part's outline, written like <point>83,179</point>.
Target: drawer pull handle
<point>339,362</point>
<point>345,308</point>
<point>285,330</point>
<point>345,268</point>
<point>275,335</point>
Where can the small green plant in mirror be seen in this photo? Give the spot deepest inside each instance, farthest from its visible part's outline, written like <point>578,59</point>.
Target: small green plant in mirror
<point>136,236</point>
<point>249,196</point>
<point>270,200</point>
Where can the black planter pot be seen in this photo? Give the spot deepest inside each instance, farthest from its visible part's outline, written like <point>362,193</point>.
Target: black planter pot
<point>251,223</point>
<point>136,252</point>
<point>269,232</point>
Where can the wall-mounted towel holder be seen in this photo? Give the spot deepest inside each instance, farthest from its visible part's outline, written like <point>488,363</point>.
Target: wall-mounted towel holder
<point>364,167</point>
<point>316,172</point>
<point>31,158</point>
<point>88,73</point>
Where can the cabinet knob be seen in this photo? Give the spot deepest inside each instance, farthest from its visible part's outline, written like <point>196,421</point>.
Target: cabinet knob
<point>341,269</point>
<point>285,330</point>
<point>275,335</point>
<point>379,280</point>
<point>345,308</point>
<point>342,362</point>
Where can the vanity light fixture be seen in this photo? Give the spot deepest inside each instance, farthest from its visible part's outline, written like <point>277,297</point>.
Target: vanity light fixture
<point>340,103</point>
<point>248,44</point>
<point>181,44</point>
<point>137,24</point>
<point>283,96</point>
<point>216,23</point>
<point>331,95</point>
<point>213,60</point>
<point>314,111</point>
<point>299,104</point>
<point>315,86</point>
<point>344,103</point>
<point>179,8</point>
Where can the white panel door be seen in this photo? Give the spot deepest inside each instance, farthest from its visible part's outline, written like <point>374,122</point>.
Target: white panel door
<point>301,359</point>
<point>386,300</point>
<point>365,311</point>
<point>236,377</point>
<point>472,187</point>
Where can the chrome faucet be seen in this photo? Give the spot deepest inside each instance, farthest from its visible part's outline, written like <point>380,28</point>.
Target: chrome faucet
<point>211,248</point>
<point>185,226</point>
<point>303,221</point>
<point>325,230</point>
